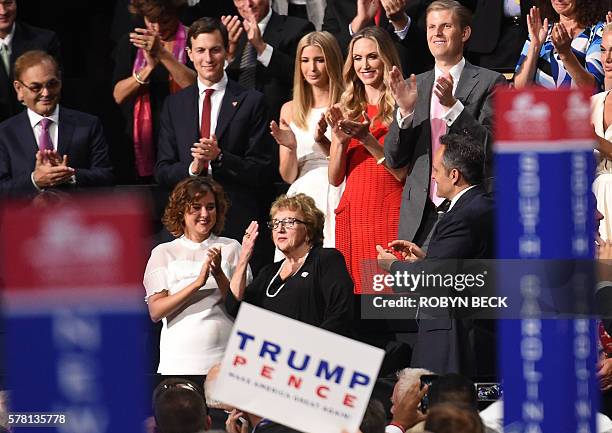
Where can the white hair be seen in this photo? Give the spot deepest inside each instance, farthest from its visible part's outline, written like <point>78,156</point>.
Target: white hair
<point>407,378</point>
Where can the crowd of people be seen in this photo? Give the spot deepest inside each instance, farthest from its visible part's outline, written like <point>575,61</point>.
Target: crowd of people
<point>293,139</point>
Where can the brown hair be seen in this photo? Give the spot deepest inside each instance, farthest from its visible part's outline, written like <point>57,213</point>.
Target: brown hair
<point>314,219</point>
<point>186,193</point>
<point>453,418</point>
<point>353,100</point>
<point>33,58</point>
<point>588,12</point>
<point>302,92</point>
<point>154,9</point>
<point>207,25</point>
<point>463,14</point>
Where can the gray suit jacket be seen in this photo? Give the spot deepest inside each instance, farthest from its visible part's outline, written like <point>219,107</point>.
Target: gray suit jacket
<point>412,146</point>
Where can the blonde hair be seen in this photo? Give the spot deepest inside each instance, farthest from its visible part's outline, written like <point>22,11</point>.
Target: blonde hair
<point>314,219</point>
<point>302,91</point>
<point>353,100</point>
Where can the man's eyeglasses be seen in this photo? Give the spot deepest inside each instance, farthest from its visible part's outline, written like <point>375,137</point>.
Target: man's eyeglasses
<point>287,223</point>
<point>51,86</point>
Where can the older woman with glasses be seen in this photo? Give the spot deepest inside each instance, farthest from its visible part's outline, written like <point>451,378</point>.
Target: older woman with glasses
<point>311,284</point>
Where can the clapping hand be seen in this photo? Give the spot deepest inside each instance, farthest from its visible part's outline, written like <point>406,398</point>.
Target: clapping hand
<point>357,130</point>
<point>283,135</point>
<point>254,34</point>
<point>51,169</point>
<point>410,251</point>
<point>320,130</point>
<point>536,28</point>
<point>396,12</point>
<point>404,91</point>
<point>248,241</point>
<point>561,39</point>
<point>334,117</point>
<point>215,261</point>
<point>385,258</point>
<point>234,30</point>
<point>443,89</point>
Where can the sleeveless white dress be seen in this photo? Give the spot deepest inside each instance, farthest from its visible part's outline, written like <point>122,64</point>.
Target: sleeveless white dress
<point>602,186</point>
<point>312,177</point>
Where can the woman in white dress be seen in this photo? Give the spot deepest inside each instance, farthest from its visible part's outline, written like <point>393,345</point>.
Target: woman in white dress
<point>601,106</point>
<point>187,280</point>
<point>302,134</point>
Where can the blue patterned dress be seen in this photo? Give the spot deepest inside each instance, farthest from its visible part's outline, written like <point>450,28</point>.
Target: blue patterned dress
<point>550,71</point>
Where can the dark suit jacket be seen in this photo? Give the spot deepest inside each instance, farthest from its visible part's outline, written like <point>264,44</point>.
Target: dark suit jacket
<point>461,345</point>
<point>243,137</point>
<point>26,38</point>
<point>493,42</point>
<point>275,81</point>
<point>80,136</point>
<point>413,51</point>
<point>412,146</point>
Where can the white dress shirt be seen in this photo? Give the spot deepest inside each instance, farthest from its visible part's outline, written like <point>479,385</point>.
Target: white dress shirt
<point>8,40</point>
<point>35,119</point>
<point>266,54</point>
<point>458,196</point>
<point>452,113</point>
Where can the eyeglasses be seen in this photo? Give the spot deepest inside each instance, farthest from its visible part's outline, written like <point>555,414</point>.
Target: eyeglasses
<point>287,223</point>
<point>51,86</point>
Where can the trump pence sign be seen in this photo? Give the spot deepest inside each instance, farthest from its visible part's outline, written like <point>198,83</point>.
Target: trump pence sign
<point>296,374</point>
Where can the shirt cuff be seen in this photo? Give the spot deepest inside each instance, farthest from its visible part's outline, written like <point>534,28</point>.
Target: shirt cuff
<point>452,114</point>
<point>390,428</point>
<point>265,56</point>
<point>191,173</point>
<point>34,183</point>
<point>404,122</point>
<point>401,34</point>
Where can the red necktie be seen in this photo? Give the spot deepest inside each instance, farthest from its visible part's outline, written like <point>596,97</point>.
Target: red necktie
<point>205,124</point>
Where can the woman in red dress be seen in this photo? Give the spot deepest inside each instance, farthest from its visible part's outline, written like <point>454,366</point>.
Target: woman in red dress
<point>369,210</point>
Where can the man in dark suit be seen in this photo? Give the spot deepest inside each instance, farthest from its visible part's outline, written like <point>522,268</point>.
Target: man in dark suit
<point>217,127</point>
<point>49,146</point>
<point>453,97</point>
<point>499,31</point>
<point>265,54</point>
<point>15,39</point>
<point>464,231</point>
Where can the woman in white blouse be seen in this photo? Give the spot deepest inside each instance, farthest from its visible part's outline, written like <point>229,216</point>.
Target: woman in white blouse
<point>187,279</point>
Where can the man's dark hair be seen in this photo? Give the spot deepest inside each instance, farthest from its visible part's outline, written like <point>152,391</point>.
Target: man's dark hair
<point>374,418</point>
<point>465,154</point>
<point>179,407</point>
<point>453,388</point>
<point>207,25</point>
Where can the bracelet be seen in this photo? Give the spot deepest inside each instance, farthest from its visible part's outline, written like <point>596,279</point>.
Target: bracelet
<point>139,80</point>
<point>380,161</point>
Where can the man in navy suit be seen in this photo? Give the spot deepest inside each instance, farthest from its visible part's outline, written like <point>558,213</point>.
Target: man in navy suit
<point>18,37</point>
<point>48,146</point>
<point>464,231</point>
<point>235,149</point>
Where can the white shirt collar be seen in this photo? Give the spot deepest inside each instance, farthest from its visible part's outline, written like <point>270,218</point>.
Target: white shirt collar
<point>7,40</point>
<point>458,196</point>
<point>35,118</point>
<point>197,245</point>
<point>264,22</point>
<point>219,85</point>
<point>455,72</point>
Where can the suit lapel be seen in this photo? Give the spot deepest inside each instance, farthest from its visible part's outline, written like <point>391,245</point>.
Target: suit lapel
<point>467,82</point>
<point>274,30</point>
<point>64,133</point>
<point>25,135</point>
<point>234,94</point>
